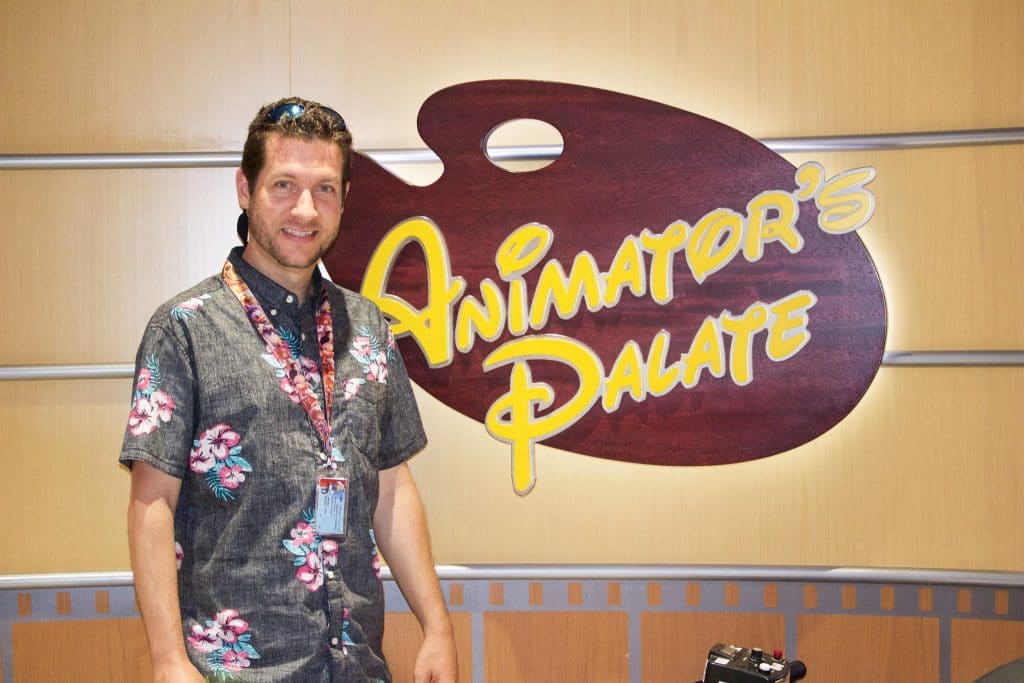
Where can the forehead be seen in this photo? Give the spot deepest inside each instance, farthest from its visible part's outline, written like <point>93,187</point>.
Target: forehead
<point>294,156</point>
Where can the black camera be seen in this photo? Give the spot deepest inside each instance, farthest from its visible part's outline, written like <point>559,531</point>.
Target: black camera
<point>731,664</point>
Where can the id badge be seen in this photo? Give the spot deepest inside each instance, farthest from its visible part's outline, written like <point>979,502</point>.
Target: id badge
<point>331,506</point>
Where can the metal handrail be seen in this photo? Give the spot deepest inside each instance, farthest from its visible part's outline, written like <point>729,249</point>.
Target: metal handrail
<point>890,359</point>
<point>614,572</point>
<point>822,143</point>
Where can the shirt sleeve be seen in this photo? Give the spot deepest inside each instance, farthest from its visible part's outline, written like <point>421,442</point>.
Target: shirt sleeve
<point>402,434</point>
<point>161,429</point>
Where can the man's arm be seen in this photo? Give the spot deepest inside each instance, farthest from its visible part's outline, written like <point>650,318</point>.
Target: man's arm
<point>154,497</point>
<point>400,528</point>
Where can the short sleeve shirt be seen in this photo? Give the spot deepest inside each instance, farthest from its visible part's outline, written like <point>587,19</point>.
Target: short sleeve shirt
<point>262,595</point>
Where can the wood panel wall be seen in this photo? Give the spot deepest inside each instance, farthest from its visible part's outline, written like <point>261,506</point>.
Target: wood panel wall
<point>924,473</point>
<point>615,631</point>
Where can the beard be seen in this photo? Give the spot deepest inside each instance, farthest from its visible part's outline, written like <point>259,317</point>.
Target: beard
<point>261,233</point>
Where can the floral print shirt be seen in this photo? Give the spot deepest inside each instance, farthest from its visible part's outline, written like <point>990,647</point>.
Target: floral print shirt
<point>263,596</point>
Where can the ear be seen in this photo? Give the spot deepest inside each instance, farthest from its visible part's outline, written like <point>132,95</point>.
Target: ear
<point>344,194</point>
<point>242,189</point>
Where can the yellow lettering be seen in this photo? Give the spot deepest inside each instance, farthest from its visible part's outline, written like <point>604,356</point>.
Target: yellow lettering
<point>809,179</point>
<point>845,203</point>
<point>513,417</point>
<point>430,326</point>
<point>660,379</point>
<point>780,228</point>
<point>517,298</point>
<point>663,248</point>
<point>626,375</point>
<point>566,293</point>
<point>787,325</point>
<point>476,319</point>
<point>713,243</point>
<point>742,330</point>
<point>627,269</point>
<point>705,352</point>
<point>522,250</point>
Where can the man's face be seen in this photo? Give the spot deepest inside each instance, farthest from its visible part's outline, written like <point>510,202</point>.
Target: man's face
<point>294,208</point>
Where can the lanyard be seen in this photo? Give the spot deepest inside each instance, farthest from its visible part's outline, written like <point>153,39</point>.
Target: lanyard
<point>282,352</point>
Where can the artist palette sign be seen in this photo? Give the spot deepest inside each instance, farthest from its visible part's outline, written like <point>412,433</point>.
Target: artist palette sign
<point>668,291</point>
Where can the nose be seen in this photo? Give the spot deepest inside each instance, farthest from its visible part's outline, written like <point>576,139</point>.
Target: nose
<point>304,208</point>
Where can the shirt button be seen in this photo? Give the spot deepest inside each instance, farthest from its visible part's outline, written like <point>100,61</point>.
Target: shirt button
<point>273,311</point>
<point>334,641</point>
<point>289,298</point>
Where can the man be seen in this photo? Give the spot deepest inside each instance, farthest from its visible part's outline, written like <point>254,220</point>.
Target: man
<point>271,423</point>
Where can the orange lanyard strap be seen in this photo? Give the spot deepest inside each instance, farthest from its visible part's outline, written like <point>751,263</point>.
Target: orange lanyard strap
<point>282,352</point>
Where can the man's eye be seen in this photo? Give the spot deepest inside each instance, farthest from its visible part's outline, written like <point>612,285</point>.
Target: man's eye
<point>327,189</point>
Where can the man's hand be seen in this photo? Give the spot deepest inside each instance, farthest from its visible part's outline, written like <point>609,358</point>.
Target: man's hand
<point>400,526</point>
<point>437,661</point>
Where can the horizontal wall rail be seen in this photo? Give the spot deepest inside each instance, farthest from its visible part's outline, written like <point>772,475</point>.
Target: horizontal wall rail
<point>852,143</point>
<point>99,371</point>
<point>613,572</point>
<point>833,143</point>
<point>953,358</point>
<point>890,359</point>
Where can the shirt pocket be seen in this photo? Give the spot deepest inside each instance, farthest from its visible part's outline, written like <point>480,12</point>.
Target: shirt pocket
<point>359,420</point>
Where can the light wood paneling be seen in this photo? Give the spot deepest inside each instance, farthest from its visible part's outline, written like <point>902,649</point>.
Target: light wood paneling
<point>979,646</point>
<point>84,272</point>
<point>676,644</point>
<point>928,455</point>
<point>138,76</point>
<point>876,491</point>
<point>61,475</point>
<point>767,68</point>
<point>840,649</point>
<point>86,651</point>
<point>556,646</point>
<point>790,68</point>
<point>403,637</point>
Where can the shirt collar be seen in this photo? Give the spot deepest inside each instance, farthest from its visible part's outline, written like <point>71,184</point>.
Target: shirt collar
<point>269,293</point>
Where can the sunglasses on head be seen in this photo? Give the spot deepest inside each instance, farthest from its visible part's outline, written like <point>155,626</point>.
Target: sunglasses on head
<point>293,110</point>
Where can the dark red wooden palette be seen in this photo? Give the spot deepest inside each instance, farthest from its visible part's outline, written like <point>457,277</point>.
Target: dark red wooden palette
<point>627,164</point>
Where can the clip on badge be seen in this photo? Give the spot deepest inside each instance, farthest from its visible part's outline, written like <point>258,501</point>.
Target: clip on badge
<point>331,506</point>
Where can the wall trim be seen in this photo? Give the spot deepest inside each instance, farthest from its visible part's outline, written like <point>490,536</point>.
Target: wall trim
<point>891,359</point>
<point>611,572</point>
<point>821,143</point>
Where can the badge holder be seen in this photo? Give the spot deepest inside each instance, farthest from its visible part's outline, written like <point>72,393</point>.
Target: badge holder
<point>331,506</point>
